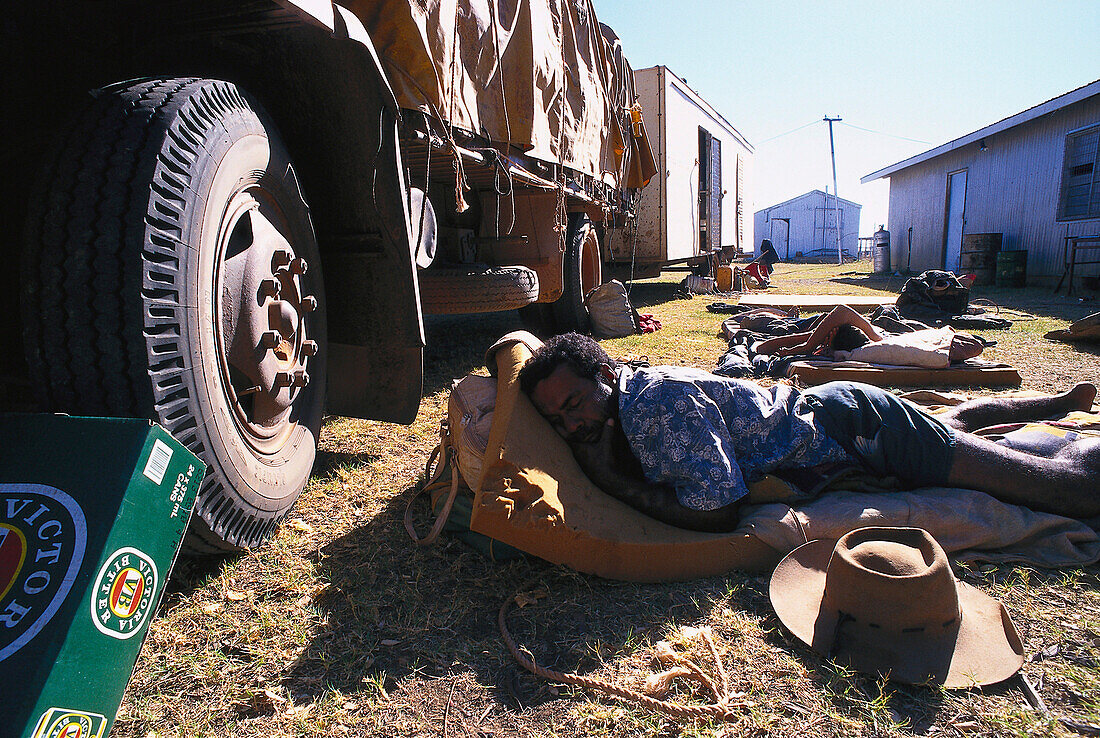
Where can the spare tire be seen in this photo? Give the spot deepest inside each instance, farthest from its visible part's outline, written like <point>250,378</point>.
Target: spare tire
<point>476,288</point>
<point>172,272</point>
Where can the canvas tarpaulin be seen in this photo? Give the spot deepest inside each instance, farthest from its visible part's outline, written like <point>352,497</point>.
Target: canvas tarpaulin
<point>542,75</point>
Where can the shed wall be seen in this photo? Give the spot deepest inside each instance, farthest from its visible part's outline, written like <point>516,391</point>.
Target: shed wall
<point>805,235</point>
<point>1012,188</point>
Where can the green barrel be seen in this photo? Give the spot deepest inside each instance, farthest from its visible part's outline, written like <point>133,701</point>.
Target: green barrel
<point>1011,268</point>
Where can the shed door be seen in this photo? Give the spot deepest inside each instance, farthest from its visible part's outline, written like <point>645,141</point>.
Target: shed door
<point>740,206</point>
<point>955,221</point>
<point>781,233</point>
<point>710,192</point>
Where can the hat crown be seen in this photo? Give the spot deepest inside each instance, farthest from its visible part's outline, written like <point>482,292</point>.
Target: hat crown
<point>897,579</point>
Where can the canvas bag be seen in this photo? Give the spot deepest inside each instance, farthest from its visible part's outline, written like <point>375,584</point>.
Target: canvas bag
<point>610,311</point>
<point>454,467</point>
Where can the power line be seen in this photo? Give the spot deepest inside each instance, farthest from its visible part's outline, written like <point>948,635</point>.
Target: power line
<point>880,133</point>
<point>793,130</point>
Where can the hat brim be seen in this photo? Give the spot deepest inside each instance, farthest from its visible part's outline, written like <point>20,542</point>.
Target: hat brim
<point>984,649</point>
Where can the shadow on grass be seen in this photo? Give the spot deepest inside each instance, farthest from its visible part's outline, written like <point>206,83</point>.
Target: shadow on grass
<point>327,462</point>
<point>651,294</point>
<point>883,282</point>
<point>404,617</point>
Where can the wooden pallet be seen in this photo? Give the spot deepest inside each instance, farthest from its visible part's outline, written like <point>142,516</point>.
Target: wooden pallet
<point>971,373</point>
<point>817,303</point>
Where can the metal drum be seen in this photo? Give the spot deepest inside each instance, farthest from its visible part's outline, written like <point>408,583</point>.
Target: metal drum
<point>1011,269</point>
<point>979,256</point>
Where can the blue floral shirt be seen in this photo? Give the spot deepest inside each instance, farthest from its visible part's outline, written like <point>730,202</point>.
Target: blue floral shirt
<point>707,435</point>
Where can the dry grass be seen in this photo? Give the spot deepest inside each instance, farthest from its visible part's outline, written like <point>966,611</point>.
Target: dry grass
<point>340,626</point>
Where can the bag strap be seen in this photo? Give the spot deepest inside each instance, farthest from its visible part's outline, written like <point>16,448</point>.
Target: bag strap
<point>446,455</point>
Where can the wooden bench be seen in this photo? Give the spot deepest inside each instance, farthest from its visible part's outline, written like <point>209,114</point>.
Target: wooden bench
<point>1072,245</point>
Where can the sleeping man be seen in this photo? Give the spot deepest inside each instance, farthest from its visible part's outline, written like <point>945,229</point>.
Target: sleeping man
<point>681,445</point>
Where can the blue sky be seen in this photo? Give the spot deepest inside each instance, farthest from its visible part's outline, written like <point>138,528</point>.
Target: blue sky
<point>930,71</point>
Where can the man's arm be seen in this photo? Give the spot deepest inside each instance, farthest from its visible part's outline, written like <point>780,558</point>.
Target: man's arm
<point>613,468</point>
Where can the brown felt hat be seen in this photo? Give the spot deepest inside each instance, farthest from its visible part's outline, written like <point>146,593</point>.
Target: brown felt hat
<point>884,600</point>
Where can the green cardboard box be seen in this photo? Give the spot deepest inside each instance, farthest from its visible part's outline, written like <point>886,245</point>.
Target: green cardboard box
<point>92,514</point>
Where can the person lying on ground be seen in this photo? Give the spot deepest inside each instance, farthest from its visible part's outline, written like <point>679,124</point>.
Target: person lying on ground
<point>682,444</point>
<point>845,329</point>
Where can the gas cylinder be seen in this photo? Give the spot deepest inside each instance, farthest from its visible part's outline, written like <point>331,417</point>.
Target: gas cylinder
<point>881,256</point>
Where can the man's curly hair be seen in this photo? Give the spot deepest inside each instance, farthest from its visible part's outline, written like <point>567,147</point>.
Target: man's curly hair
<point>581,353</point>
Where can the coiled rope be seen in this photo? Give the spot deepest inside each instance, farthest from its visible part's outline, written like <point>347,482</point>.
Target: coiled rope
<point>725,706</point>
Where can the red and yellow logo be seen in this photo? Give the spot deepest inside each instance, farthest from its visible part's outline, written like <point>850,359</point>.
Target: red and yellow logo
<point>124,593</point>
<point>58,722</point>
<point>125,597</point>
<point>13,551</point>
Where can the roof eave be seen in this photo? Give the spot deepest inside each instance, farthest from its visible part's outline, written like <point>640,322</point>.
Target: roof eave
<point>1073,96</point>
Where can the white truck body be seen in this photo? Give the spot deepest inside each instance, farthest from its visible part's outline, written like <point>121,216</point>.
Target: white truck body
<point>673,222</point>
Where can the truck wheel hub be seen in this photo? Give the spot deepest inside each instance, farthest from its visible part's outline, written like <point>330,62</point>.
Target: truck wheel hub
<point>263,313</point>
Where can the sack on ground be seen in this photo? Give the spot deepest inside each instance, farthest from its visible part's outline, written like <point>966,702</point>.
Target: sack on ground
<point>610,311</point>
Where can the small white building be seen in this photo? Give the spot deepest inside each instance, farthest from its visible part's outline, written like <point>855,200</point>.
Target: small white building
<point>695,204</point>
<point>806,226</point>
<point>1033,177</point>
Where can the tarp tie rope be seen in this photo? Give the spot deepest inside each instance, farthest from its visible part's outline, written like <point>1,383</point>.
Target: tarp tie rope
<point>507,131</point>
<point>562,218</point>
<point>725,705</point>
<point>461,206</point>
<point>446,455</point>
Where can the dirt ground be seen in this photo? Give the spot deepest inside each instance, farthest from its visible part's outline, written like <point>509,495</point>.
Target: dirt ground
<point>340,626</point>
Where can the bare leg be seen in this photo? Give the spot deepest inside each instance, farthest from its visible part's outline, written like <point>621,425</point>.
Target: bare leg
<point>1067,484</point>
<point>984,411</point>
<point>821,334</point>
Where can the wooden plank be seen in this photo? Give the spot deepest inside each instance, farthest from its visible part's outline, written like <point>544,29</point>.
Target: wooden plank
<point>814,303</point>
<point>969,373</point>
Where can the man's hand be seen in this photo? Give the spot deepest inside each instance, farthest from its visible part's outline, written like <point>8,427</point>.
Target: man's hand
<point>609,471</point>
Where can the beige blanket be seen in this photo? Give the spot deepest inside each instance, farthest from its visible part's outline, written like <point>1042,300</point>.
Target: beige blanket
<point>970,525</point>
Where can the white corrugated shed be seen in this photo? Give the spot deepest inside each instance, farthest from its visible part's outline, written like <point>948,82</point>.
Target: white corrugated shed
<point>805,226</point>
<point>1033,177</point>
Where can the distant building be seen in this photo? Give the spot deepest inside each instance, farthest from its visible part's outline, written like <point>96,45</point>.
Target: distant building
<point>806,226</point>
<point>1033,177</point>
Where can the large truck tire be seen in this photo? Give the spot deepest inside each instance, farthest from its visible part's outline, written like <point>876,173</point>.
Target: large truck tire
<point>582,272</point>
<point>171,272</point>
<point>476,289</point>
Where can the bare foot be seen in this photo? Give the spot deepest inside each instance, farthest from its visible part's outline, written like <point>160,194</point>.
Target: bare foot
<point>1080,396</point>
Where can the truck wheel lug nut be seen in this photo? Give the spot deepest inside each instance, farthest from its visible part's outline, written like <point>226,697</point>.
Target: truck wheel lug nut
<point>301,378</point>
<point>270,339</point>
<point>309,303</point>
<point>299,266</point>
<point>281,258</point>
<point>309,348</point>
<point>270,287</point>
<point>283,379</point>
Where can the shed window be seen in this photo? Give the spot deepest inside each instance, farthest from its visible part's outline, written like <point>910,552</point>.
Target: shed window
<point>1080,196</point>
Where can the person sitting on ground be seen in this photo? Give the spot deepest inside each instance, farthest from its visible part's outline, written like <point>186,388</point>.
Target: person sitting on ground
<point>843,329</point>
<point>681,444</point>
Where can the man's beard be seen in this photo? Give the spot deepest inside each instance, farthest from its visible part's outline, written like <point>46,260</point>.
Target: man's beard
<point>591,433</point>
